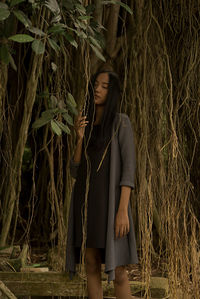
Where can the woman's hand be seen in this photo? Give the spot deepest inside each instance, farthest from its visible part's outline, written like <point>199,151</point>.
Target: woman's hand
<point>121,223</point>
<point>79,126</point>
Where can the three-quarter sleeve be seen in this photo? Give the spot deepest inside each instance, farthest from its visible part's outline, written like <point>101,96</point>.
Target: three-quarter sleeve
<point>127,150</point>
<point>74,168</point>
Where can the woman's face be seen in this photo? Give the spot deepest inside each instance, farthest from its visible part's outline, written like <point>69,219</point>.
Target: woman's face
<point>101,88</point>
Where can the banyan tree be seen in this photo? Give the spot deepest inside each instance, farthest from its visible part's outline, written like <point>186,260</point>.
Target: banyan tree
<point>48,51</point>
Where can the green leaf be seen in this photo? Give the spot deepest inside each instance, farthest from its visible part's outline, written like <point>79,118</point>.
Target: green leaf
<point>50,113</point>
<point>100,39</point>
<point>56,129</point>
<point>79,24</point>
<point>81,33</point>
<point>63,127</point>
<point>94,42</point>
<point>61,106</point>
<point>56,29</point>
<point>8,27</point>
<point>56,19</point>
<point>71,29</point>
<point>40,122</point>
<point>38,46</point>
<point>36,31</point>
<point>4,14</point>
<point>15,2</point>
<point>70,99</point>
<point>70,39</point>
<point>12,62</point>
<point>53,44</point>
<point>53,6</point>
<point>21,38</point>
<point>72,109</point>
<point>22,18</point>
<point>53,101</point>
<point>97,52</point>
<point>68,118</point>
<point>84,18</point>
<point>80,8</point>
<point>47,114</point>
<point>125,6</point>
<point>53,66</point>
<point>4,54</point>
<point>3,5</point>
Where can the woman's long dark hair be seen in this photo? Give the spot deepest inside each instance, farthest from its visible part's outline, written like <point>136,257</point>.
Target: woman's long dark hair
<point>111,106</point>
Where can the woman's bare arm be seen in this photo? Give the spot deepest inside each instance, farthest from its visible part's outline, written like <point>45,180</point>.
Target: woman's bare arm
<point>122,219</point>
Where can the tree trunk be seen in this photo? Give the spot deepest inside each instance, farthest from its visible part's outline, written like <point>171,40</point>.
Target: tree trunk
<point>111,34</point>
<point>14,181</point>
<point>97,18</point>
<point>3,89</point>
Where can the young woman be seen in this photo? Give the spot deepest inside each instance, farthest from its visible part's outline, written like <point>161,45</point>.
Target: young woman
<point>107,138</point>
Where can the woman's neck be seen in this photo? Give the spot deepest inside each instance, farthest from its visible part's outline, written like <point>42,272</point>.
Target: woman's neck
<point>99,114</point>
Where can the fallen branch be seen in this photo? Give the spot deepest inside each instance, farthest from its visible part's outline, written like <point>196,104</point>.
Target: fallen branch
<point>5,292</point>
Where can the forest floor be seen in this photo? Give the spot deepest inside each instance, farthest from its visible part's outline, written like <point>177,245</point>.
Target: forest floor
<point>38,258</point>
<point>41,256</point>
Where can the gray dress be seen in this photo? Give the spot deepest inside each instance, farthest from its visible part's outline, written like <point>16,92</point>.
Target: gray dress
<point>120,251</point>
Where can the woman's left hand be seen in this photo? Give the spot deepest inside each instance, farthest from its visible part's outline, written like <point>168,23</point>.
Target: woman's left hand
<point>121,223</point>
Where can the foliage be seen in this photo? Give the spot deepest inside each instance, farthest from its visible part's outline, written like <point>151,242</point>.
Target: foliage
<point>57,110</point>
<point>77,26</point>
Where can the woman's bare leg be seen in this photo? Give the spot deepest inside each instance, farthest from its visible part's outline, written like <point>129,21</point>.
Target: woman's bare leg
<point>121,284</point>
<point>93,270</point>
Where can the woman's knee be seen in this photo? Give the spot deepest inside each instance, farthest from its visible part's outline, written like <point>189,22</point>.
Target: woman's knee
<point>93,261</point>
<point>120,275</point>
